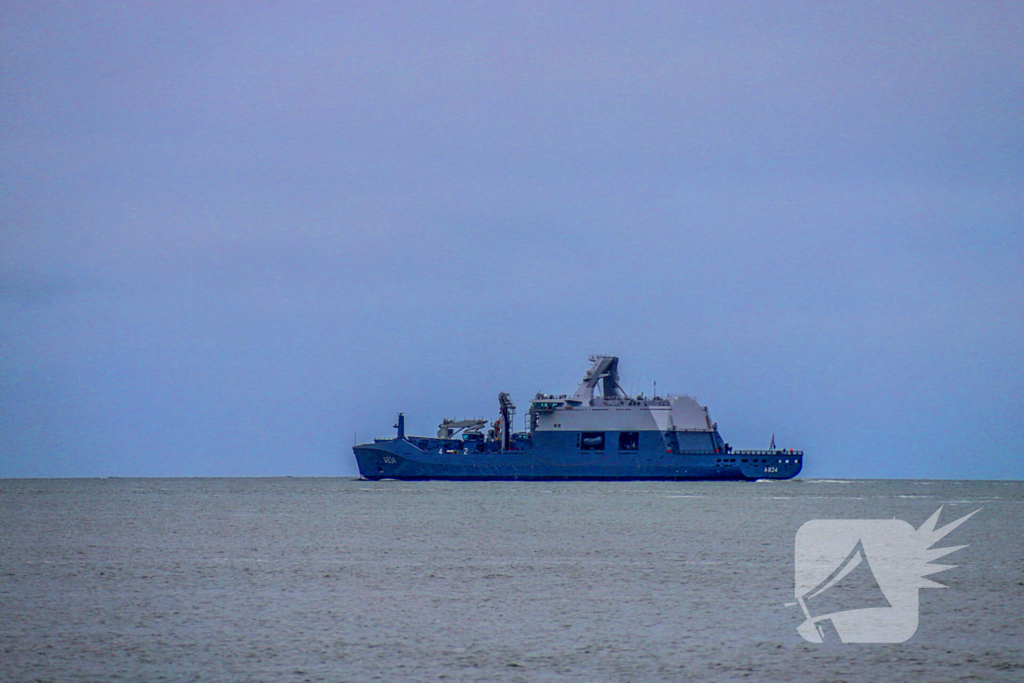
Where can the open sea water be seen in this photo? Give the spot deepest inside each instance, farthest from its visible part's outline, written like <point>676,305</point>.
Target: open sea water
<point>349,580</point>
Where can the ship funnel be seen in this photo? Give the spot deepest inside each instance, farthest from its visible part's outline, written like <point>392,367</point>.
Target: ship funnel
<point>605,369</point>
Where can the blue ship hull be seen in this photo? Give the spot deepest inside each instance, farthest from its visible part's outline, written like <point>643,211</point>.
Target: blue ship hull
<point>421,459</point>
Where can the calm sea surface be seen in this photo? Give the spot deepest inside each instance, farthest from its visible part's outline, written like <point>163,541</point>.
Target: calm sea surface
<point>347,580</point>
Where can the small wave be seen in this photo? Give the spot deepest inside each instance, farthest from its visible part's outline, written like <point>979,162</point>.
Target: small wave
<point>972,502</point>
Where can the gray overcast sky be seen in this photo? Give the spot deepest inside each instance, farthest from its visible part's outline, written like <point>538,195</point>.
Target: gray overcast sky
<point>236,236</point>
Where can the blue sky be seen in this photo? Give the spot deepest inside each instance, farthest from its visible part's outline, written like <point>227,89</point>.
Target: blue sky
<point>236,236</point>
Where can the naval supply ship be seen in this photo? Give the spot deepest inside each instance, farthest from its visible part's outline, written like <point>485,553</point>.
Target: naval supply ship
<point>597,433</point>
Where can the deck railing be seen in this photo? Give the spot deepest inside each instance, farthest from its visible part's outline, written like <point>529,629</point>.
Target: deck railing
<point>778,452</point>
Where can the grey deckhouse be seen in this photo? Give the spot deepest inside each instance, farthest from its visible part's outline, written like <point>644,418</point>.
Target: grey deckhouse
<point>613,409</point>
